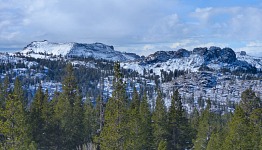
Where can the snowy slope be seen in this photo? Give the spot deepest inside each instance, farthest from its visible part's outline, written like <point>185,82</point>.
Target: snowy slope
<point>254,61</point>
<point>95,50</point>
<point>185,63</point>
<point>213,58</point>
<point>49,48</point>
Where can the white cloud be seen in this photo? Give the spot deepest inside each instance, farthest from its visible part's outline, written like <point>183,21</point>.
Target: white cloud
<point>254,44</point>
<point>181,44</point>
<point>162,24</point>
<point>190,44</point>
<point>253,48</point>
<point>237,23</point>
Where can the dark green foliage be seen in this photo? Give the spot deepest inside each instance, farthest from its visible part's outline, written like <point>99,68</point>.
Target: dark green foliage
<point>159,121</point>
<point>67,121</point>
<point>39,118</point>
<point>249,101</point>
<point>134,125</point>
<point>162,145</point>
<point>179,129</point>
<point>205,128</point>
<point>69,113</point>
<point>114,132</point>
<point>194,122</point>
<point>245,126</point>
<point>146,127</point>
<point>240,132</point>
<point>13,124</point>
<point>89,121</point>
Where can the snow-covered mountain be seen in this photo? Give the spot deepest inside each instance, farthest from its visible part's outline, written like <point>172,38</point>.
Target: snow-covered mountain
<point>209,59</point>
<point>212,71</point>
<point>254,61</point>
<point>199,59</point>
<point>95,50</point>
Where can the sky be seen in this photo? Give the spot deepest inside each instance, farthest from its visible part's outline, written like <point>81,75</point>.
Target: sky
<point>140,26</point>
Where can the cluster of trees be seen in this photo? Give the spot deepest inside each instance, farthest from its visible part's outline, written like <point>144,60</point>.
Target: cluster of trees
<point>66,121</point>
<point>167,76</point>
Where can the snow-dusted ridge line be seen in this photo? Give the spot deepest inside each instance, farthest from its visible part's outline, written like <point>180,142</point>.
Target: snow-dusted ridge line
<point>254,61</point>
<point>95,50</point>
<point>214,58</point>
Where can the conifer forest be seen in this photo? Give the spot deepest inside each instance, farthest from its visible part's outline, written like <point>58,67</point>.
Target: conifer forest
<point>68,121</point>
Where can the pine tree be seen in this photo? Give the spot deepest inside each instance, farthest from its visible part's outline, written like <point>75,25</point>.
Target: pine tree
<point>249,101</point>
<point>54,129</point>
<point>78,130</point>
<point>194,122</point>
<point>64,111</point>
<point>260,144</point>
<point>39,117</point>
<point>134,124</point>
<point>99,120</point>
<point>214,142</point>
<point>178,125</point>
<point>159,119</point>
<point>14,125</point>
<point>220,132</point>
<point>19,92</point>
<point>256,121</point>
<point>5,89</point>
<point>240,132</point>
<point>89,121</point>
<point>2,97</point>
<point>99,114</point>
<point>162,145</point>
<point>146,126</point>
<point>114,132</point>
<point>205,128</point>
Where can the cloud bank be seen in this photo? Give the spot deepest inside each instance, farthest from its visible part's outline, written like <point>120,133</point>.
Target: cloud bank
<point>144,25</point>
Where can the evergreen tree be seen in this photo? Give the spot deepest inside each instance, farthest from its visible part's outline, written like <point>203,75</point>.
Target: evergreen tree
<point>146,126</point>
<point>249,101</point>
<point>162,145</point>
<point>194,122</point>
<point>256,121</point>
<point>159,119</point>
<point>2,97</point>
<point>214,142</point>
<point>14,125</point>
<point>220,132</point>
<point>205,128</point>
<point>178,125</point>
<point>54,126</point>
<point>240,132</point>
<point>134,123</point>
<point>99,120</point>
<point>260,144</point>
<point>89,121</point>
<point>6,88</point>
<point>19,92</point>
<point>99,114</point>
<point>78,130</point>
<point>114,132</point>
<point>64,111</point>
<point>39,117</point>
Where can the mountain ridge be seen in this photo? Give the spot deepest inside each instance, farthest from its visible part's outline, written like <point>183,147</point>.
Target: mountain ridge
<point>72,49</point>
<point>199,59</point>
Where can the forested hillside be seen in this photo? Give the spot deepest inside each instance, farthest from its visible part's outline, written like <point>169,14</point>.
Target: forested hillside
<point>67,120</point>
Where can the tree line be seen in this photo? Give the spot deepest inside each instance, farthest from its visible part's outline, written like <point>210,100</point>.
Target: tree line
<point>69,121</point>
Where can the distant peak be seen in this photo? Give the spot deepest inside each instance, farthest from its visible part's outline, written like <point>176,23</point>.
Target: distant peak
<point>243,53</point>
<point>96,50</point>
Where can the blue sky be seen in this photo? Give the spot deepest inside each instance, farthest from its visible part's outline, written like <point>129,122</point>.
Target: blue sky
<point>141,26</point>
